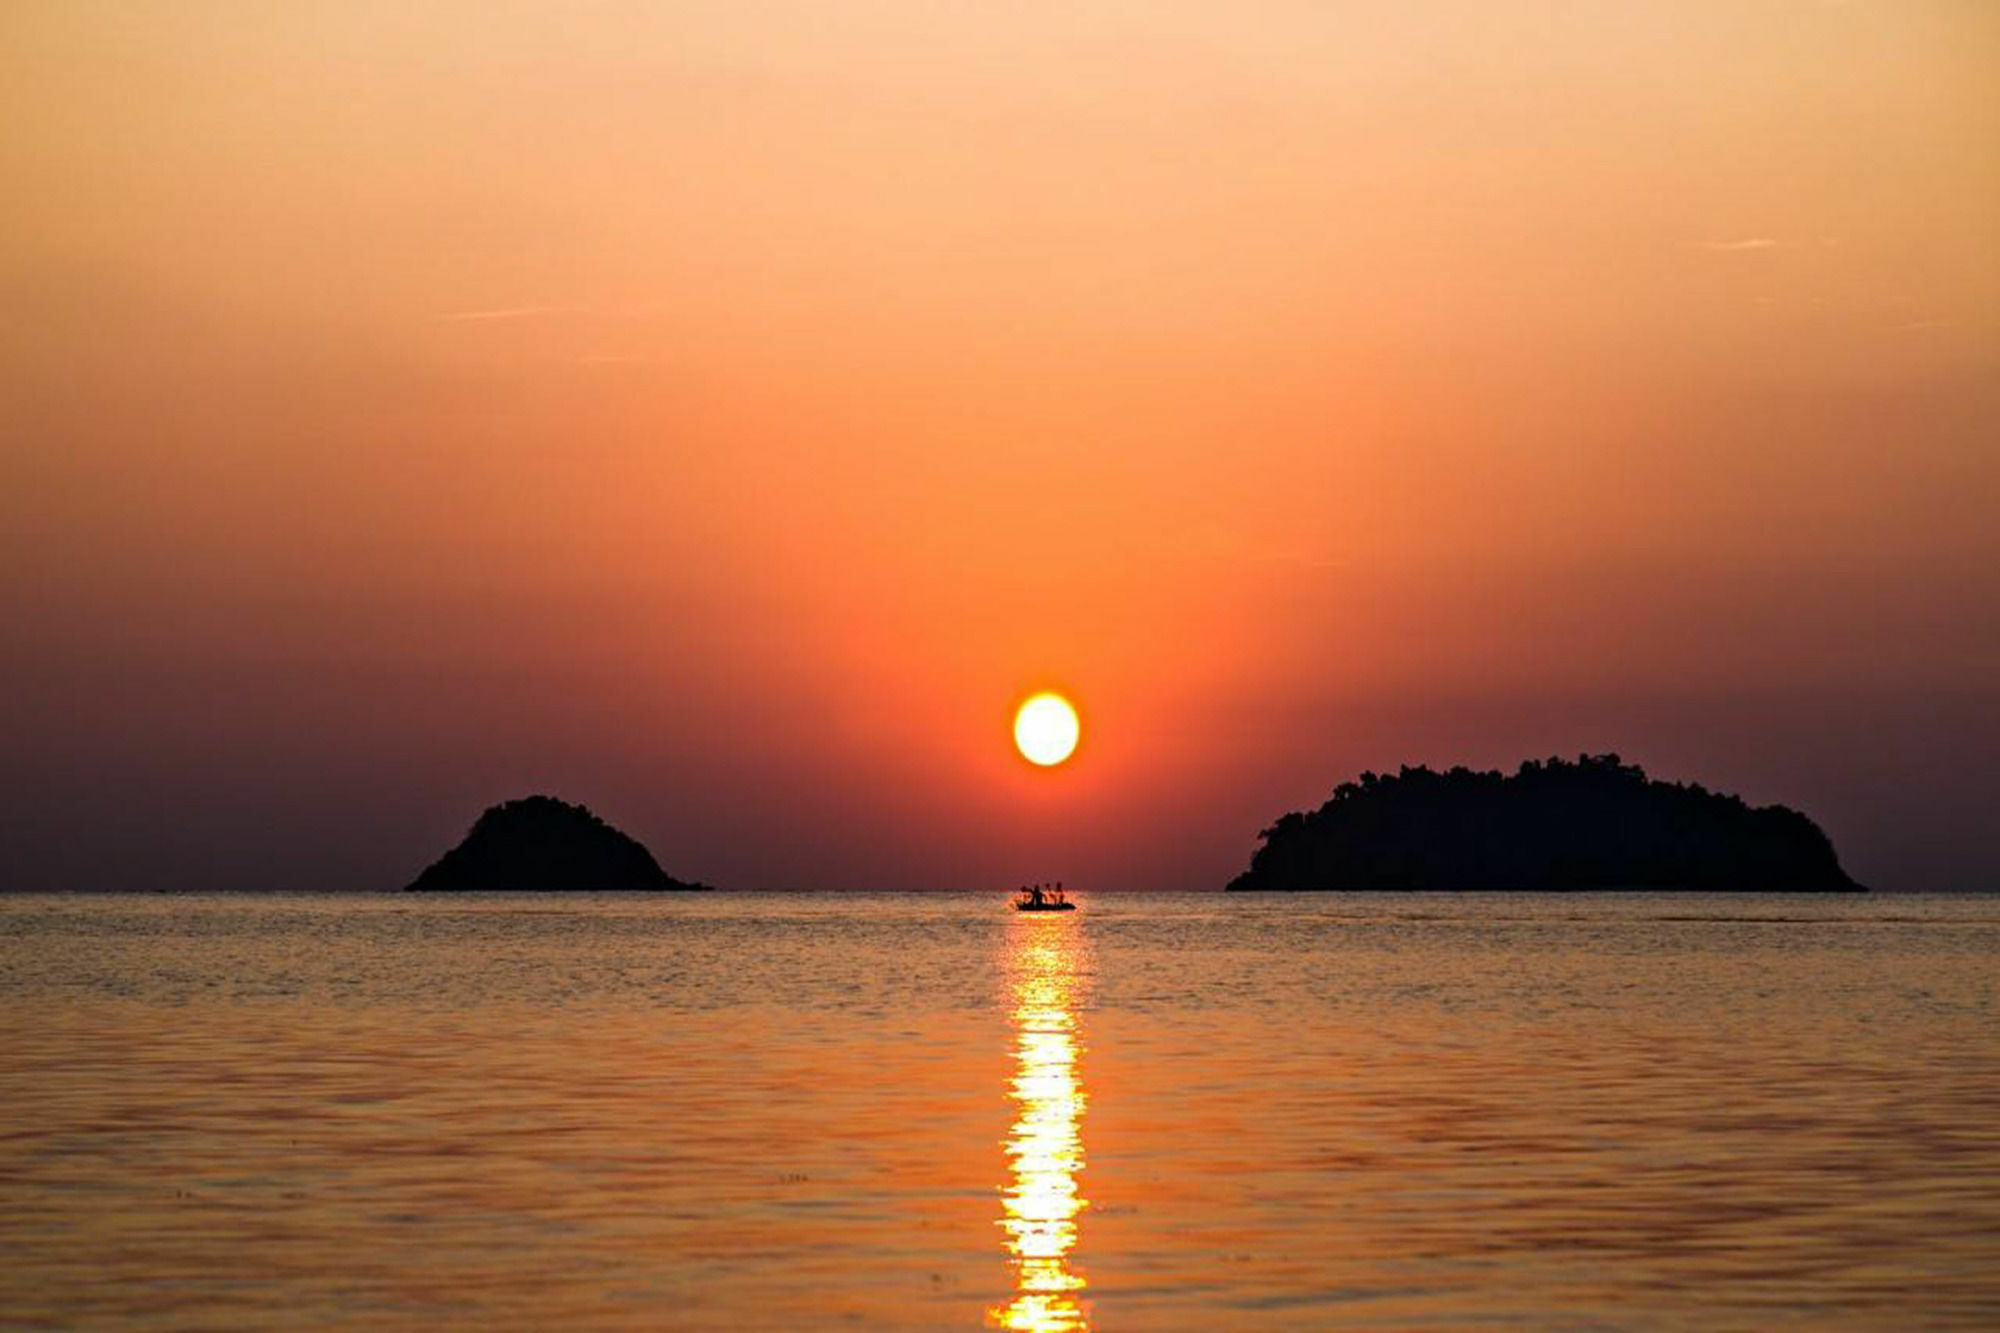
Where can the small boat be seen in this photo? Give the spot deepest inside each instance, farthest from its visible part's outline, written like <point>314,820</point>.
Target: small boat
<point>1043,900</point>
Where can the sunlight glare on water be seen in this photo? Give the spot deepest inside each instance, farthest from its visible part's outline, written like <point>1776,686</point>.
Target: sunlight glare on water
<point>1045,1149</point>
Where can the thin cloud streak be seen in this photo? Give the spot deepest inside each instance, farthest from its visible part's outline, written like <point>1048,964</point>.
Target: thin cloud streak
<point>509,312</point>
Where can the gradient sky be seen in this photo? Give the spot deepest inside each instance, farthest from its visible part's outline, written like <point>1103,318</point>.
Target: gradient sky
<point>723,414</point>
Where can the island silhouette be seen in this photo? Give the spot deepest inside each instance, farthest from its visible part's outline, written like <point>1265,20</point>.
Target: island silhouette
<point>541,844</point>
<point>1597,823</point>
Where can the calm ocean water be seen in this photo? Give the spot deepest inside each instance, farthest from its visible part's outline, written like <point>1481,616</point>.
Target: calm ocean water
<point>740,1111</point>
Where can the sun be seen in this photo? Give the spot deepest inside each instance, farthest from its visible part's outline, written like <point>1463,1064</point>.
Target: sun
<point>1046,730</point>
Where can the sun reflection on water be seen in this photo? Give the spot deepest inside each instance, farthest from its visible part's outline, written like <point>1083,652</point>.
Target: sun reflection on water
<point>1040,1204</point>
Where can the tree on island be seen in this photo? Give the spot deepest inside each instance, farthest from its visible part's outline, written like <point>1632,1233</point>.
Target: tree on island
<point>541,844</point>
<point>1593,824</point>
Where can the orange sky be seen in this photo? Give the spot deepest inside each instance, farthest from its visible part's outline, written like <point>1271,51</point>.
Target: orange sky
<point>723,414</point>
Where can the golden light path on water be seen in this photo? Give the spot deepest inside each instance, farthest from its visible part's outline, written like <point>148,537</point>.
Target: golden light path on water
<point>1040,1204</point>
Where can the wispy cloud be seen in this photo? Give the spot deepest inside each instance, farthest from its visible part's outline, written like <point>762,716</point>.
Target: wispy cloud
<point>509,312</point>
<point>1746,243</point>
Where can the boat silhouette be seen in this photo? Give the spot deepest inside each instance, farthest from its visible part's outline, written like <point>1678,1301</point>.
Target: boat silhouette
<point>1043,898</point>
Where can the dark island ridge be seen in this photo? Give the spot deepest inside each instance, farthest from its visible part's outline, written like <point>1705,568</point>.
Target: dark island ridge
<point>1596,823</point>
<point>541,844</point>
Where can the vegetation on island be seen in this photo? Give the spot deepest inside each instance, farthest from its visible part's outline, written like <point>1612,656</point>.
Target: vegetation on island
<point>541,844</point>
<point>1597,823</point>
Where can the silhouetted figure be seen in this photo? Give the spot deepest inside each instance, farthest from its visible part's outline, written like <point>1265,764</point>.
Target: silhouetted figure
<point>1043,898</point>
<point>1593,824</point>
<point>540,844</point>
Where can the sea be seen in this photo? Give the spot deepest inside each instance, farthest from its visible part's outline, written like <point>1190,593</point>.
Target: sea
<point>926,1111</point>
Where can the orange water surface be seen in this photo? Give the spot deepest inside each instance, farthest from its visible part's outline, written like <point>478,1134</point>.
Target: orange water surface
<point>926,1112</point>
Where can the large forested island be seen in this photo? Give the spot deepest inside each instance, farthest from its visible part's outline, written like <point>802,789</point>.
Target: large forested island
<point>1597,823</point>
<point>541,844</point>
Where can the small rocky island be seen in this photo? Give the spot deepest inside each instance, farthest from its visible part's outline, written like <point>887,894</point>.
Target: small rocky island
<point>1597,823</point>
<point>539,844</point>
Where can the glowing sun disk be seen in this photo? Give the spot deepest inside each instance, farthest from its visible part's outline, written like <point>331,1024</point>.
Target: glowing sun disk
<point>1046,729</point>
